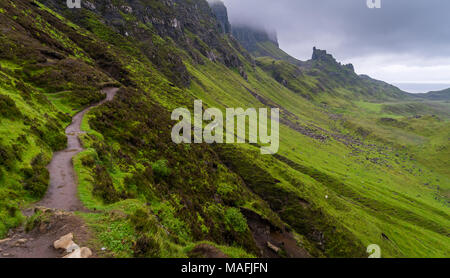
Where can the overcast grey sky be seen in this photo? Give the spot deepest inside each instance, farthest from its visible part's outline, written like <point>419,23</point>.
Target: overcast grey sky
<point>406,41</point>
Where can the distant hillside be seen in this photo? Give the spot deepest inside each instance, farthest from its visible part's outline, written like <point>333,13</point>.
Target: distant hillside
<point>323,75</point>
<point>436,95</point>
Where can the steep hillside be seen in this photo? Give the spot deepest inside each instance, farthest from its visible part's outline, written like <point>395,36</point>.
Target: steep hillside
<point>323,76</point>
<point>349,173</point>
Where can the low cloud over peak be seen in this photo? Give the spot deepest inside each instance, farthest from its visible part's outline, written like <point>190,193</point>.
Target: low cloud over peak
<point>401,32</point>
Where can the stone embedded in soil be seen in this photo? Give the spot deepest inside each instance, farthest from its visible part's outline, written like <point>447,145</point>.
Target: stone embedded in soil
<point>74,255</point>
<point>72,247</point>
<point>273,247</point>
<point>21,241</point>
<point>75,252</point>
<point>41,209</point>
<point>64,242</point>
<point>82,253</point>
<point>42,228</point>
<point>86,253</point>
<point>5,240</point>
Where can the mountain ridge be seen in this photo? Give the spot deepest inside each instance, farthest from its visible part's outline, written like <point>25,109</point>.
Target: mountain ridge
<point>436,95</point>
<point>261,43</point>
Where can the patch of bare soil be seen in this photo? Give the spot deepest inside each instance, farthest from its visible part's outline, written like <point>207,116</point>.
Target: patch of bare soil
<point>206,251</point>
<point>272,241</point>
<point>45,229</point>
<point>62,192</point>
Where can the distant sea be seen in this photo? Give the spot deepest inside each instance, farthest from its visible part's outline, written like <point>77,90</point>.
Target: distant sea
<point>417,88</point>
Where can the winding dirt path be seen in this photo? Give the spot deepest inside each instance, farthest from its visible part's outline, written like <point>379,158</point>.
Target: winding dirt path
<point>61,198</point>
<point>62,193</point>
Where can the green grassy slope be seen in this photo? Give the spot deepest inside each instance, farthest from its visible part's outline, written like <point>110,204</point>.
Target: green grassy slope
<point>323,77</point>
<point>39,90</point>
<point>437,95</point>
<point>349,173</point>
<point>364,179</point>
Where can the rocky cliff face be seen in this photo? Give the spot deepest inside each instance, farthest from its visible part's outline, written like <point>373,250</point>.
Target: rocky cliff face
<point>334,74</point>
<point>221,13</point>
<point>257,41</point>
<point>180,23</point>
<point>322,55</point>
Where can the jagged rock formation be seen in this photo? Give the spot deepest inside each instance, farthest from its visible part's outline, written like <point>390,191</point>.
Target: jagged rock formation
<point>221,13</point>
<point>169,18</point>
<point>257,41</point>
<point>261,43</point>
<point>322,55</point>
<point>330,75</point>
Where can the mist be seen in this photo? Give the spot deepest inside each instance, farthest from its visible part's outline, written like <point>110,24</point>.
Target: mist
<point>405,41</point>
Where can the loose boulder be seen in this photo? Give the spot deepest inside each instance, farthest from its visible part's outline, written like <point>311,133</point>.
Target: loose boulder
<point>74,251</point>
<point>64,242</point>
<point>82,253</point>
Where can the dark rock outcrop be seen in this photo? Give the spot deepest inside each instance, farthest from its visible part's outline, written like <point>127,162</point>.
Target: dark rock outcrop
<point>219,9</point>
<point>189,25</point>
<point>322,55</point>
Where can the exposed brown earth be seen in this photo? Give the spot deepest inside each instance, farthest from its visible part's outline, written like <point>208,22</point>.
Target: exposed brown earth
<point>38,243</point>
<point>56,208</point>
<point>272,241</point>
<point>62,192</point>
<point>207,251</point>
